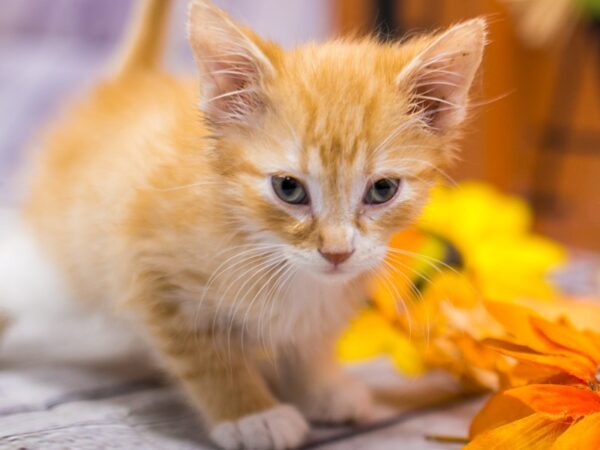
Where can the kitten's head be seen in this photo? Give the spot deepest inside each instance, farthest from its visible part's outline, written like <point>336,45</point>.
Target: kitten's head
<point>326,150</point>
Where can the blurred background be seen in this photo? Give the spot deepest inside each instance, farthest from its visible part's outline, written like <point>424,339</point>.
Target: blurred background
<point>536,125</point>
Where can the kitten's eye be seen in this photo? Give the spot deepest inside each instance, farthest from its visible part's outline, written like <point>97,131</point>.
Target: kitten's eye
<point>382,191</point>
<point>290,190</point>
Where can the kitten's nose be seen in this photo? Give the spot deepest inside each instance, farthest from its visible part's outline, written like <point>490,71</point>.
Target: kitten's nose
<point>336,258</point>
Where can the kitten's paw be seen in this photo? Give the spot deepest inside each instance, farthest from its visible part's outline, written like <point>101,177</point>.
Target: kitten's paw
<point>346,400</point>
<point>278,428</point>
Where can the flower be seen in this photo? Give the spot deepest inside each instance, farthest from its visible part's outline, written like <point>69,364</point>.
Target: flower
<point>371,335</point>
<point>471,244</point>
<point>556,403</point>
<point>468,291</point>
<point>492,232</point>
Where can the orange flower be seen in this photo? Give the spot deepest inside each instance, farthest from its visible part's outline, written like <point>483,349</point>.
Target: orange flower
<point>561,409</point>
<point>550,347</point>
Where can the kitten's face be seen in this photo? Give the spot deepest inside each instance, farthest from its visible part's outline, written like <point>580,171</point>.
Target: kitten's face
<point>325,175</point>
<point>327,150</point>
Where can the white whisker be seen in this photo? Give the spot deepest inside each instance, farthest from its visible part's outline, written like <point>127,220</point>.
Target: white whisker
<point>273,276</point>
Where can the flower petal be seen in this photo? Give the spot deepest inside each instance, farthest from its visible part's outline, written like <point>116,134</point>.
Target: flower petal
<point>584,435</point>
<point>557,401</point>
<point>573,364</point>
<point>531,432</point>
<point>515,320</point>
<point>567,337</point>
<point>370,335</point>
<point>499,410</point>
<point>524,372</point>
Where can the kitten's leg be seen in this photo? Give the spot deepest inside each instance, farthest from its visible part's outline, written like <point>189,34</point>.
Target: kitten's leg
<point>240,410</point>
<point>311,378</point>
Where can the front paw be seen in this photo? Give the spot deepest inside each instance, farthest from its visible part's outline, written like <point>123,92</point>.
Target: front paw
<point>279,428</point>
<point>342,401</point>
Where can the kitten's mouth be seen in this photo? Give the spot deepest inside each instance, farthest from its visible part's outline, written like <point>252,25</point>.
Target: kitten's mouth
<point>333,274</point>
<point>336,270</point>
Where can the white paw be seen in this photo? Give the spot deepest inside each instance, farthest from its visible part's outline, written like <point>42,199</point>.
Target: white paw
<point>278,428</point>
<point>346,400</point>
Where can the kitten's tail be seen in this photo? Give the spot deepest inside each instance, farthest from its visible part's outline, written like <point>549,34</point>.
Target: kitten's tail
<point>143,47</point>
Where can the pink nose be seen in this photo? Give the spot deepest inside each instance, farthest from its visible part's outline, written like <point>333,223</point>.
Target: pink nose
<point>336,258</point>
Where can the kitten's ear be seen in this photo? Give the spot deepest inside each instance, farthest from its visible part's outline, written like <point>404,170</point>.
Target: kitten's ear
<point>438,79</point>
<point>232,66</point>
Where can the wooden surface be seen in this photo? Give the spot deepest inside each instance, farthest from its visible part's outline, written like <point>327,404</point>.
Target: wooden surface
<point>125,405</point>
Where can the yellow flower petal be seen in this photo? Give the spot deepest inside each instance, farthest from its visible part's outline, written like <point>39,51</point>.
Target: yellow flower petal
<point>557,401</point>
<point>584,435</point>
<point>371,335</point>
<point>534,432</point>
<point>499,410</point>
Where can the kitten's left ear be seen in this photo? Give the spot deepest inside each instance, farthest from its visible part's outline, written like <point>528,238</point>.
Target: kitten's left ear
<point>233,67</point>
<point>439,77</point>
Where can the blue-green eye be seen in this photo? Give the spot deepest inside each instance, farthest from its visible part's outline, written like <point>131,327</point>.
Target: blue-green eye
<point>290,190</point>
<point>382,191</point>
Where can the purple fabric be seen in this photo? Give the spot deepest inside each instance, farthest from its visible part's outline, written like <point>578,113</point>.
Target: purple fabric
<point>89,20</point>
<point>48,50</point>
<point>52,49</point>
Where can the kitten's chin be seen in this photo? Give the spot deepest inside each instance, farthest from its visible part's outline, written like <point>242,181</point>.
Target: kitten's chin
<point>333,275</point>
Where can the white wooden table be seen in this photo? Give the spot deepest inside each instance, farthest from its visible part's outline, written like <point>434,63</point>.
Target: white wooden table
<point>127,405</point>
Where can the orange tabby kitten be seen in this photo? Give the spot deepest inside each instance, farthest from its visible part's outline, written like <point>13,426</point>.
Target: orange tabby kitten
<point>235,219</point>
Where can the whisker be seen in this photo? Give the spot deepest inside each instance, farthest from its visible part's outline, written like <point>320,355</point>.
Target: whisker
<point>261,271</point>
<point>428,259</point>
<point>277,272</point>
<point>398,260</point>
<point>288,285</point>
<point>240,266</point>
<point>398,299</point>
<point>245,256</point>
<point>418,295</point>
<point>432,262</point>
<point>270,298</point>
<point>257,268</point>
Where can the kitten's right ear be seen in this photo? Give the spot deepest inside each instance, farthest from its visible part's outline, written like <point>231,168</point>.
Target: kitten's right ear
<point>439,78</point>
<point>232,66</point>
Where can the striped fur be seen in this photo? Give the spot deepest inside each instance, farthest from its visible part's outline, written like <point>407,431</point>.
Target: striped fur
<point>165,211</point>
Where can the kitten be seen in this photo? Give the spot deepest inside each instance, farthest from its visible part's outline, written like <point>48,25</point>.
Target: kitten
<point>235,218</point>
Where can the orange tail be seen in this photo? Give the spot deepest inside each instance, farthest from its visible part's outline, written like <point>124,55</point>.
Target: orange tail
<point>143,48</point>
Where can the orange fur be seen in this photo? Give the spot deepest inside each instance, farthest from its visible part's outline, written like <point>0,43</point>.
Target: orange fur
<point>165,212</point>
